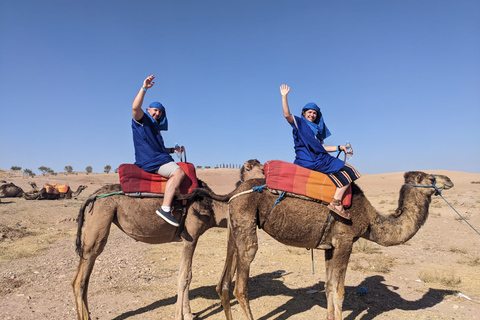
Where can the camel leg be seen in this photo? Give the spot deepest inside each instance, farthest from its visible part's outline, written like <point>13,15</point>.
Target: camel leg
<point>183,311</point>
<point>223,286</point>
<point>247,245</point>
<point>94,241</point>
<point>336,262</point>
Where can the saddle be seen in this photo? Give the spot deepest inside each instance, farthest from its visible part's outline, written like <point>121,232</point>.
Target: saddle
<point>56,188</point>
<point>137,182</point>
<point>292,178</point>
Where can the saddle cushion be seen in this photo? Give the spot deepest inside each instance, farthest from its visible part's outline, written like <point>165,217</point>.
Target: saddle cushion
<point>289,177</point>
<point>56,188</point>
<point>135,180</point>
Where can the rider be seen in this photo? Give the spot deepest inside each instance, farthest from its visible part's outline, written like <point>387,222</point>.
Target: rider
<point>150,152</point>
<point>309,131</point>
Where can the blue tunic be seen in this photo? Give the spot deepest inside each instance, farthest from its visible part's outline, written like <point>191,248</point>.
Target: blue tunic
<point>309,152</point>
<point>150,152</point>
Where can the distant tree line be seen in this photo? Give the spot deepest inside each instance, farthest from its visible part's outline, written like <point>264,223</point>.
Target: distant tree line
<point>68,170</point>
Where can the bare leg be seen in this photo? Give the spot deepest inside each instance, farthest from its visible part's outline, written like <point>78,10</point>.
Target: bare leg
<point>338,196</point>
<point>172,185</point>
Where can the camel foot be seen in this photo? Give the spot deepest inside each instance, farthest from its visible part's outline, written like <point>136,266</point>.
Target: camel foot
<point>324,246</point>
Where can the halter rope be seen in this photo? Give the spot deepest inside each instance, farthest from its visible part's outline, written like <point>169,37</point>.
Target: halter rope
<point>439,193</point>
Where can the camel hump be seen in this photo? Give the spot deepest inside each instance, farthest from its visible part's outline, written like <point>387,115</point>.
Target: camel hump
<point>292,178</point>
<point>135,180</point>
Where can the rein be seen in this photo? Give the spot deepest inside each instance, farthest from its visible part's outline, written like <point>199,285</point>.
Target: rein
<point>438,192</point>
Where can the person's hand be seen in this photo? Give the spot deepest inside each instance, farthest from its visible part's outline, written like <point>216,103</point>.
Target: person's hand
<point>284,89</point>
<point>148,83</point>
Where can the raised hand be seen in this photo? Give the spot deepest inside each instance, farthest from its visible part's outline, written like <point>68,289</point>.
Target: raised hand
<point>284,89</point>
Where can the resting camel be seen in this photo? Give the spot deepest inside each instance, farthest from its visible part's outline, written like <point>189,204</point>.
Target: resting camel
<point>308,224</point>
<point>43,195</point>
<point>9,190</point>
<point>136,217</point>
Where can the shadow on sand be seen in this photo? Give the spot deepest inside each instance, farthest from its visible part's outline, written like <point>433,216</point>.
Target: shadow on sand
<point>382,298</point>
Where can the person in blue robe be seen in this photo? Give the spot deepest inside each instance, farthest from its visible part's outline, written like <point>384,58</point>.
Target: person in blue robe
<point>309,132</point>
<point>150,152</point>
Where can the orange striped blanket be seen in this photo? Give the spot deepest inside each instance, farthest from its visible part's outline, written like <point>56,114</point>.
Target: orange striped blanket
<point>289,177</point>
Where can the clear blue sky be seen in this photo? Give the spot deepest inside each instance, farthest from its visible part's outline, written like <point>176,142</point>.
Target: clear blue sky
<point>399,79</point>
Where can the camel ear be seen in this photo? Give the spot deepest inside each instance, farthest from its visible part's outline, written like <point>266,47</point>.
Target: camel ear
<point>247,166</point>
<point>419,177</point>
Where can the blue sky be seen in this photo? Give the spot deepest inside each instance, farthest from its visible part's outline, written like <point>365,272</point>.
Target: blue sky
<point>399,79</point>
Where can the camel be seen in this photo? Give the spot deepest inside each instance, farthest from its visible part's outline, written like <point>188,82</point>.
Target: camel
<point>136,217</point>
<point>43,195</point>
<point>308,224</point>
<point>9,190</point>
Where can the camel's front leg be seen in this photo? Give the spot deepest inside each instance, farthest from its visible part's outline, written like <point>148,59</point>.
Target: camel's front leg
<point>247,246</point>
<point>183,311</point>
<point>336,262</point>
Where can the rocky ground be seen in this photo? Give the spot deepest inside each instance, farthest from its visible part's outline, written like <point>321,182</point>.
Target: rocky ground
<point>435,275</point>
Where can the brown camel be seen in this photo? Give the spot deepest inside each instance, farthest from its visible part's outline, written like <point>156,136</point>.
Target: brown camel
<point>43,195</point>
<point>9,190</point>
<point>136,217</point>
<point>308,224</point>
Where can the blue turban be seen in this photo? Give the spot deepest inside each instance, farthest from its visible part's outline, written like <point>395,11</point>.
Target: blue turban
<point>318,126</point>
<point>162,123</point>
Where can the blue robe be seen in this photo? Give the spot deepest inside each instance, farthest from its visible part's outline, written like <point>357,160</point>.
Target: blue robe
<point>309,152</point>
<point>150,151</point>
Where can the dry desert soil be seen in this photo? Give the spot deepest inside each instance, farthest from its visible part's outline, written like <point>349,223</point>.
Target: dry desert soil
<point>435,275</point>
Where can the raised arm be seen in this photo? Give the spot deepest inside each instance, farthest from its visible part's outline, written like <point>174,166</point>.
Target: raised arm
<point>284,90</point>
<point>137,111</point>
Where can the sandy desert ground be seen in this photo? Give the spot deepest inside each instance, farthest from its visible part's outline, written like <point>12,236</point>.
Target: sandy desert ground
<point>435,275</point>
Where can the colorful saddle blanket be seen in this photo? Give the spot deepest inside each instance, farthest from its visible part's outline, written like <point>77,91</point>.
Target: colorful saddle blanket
<point>289,177</point>
<point>56,188</point>
<point>135,180</point>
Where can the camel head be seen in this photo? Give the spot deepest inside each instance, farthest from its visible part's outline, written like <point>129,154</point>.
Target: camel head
<point>430,183</point>
<point>251,169</point>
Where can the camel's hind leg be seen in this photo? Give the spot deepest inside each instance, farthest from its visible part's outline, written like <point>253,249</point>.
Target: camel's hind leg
<point>96,231</point>
<point>336,262</point>
<point>223,286</point>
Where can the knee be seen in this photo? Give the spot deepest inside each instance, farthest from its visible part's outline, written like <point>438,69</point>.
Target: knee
<point>179,174</point>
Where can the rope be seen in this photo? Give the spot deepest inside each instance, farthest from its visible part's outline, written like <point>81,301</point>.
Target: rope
<point>460,215</point>
<point>280,198</point>
<point>439,193</point>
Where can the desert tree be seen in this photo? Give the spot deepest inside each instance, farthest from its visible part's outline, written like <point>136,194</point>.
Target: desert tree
<point>88,169</point>
<point>45,170</point>
<point>68,169</point>
<point>16,168</point>
<point>107,168</point>
<point>28,172</point>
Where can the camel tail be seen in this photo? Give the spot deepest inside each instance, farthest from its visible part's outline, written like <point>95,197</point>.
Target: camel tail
<point>203,192</point>
<point>81,219</point>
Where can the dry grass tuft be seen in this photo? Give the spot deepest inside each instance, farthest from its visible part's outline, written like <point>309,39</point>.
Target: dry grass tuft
<point>446,278</point>
<point>458,250</point>
<point>375,263</point>
<point>472,262</point>
<point>365,246</point>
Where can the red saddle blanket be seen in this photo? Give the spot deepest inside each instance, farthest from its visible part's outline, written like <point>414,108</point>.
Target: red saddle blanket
<point>135,180</point>
<point>285,176</point>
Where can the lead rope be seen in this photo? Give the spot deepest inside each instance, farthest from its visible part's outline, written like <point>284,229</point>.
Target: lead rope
<point>439,193</point>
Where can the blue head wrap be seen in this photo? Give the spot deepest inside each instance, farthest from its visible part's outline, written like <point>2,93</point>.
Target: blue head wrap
<point>318,126</point>
<point>162,123</point>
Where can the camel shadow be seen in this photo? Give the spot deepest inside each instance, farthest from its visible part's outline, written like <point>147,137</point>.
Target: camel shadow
<point>381,298</point>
